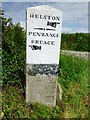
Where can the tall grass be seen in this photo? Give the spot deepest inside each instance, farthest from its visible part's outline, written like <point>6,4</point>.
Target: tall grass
<point>73,78</point>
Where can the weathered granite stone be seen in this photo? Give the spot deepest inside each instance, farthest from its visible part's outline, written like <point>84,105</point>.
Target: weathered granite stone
<point>83,55</point>
<point>47,69</point>
<point>42,89</point>
<point>43,52</point>
<point>58,94</point>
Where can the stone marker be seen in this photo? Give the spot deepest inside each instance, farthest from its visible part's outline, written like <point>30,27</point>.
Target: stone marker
<point>43,52</point>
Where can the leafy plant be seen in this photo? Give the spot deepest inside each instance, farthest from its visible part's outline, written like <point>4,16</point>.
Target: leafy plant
<point>13,51</point>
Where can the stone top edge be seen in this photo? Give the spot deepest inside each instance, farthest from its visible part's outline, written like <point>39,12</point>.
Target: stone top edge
<point>44,6</point>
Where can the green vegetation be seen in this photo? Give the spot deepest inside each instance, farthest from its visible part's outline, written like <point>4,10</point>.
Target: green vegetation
<point>13,51</point>
<point>14,106</point>
<point>73,77</point>
<point>76,42</point>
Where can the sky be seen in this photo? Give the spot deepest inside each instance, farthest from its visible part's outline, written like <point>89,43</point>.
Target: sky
<point>75,14</point>
<point>45,0</point>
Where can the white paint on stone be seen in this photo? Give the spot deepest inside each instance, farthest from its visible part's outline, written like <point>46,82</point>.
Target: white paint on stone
<point>43,51</point>
<point>43,34</point>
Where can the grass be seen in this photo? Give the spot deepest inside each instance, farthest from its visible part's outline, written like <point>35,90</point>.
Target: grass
<point>73,78</point>
<point>14,106</point>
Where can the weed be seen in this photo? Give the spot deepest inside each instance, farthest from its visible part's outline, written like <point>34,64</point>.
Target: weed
<point>73,78</point>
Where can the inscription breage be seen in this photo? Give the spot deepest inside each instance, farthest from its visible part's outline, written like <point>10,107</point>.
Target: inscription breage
<point>42,42</point>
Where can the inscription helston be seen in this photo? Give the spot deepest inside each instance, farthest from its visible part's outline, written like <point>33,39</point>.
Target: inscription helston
<point>43,51</point>
<point>47,17</point>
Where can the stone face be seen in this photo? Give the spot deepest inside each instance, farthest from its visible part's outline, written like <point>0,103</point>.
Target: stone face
<point>47,69</point>
<point>43,35</point>
<point>41,89</point>
<point>43,51</point>
<point>41,83</point>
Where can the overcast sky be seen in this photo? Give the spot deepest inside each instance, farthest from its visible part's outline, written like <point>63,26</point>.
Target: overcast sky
<point>75,14</point>
<point>45,0</point>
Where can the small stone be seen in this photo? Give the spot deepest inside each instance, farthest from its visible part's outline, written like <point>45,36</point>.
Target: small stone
<point>58,94</point>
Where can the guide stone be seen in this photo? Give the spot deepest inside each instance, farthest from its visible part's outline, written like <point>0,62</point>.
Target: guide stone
<point>43,51</point>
